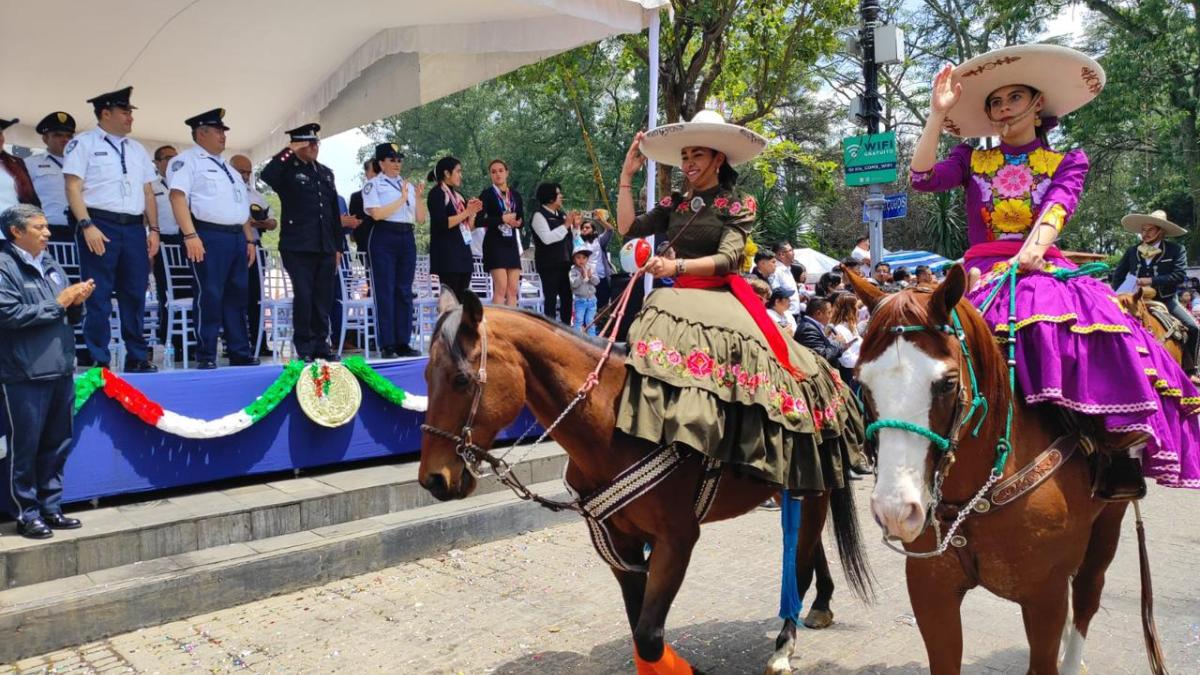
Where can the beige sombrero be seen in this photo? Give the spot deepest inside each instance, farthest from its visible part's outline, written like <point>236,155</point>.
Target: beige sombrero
<point>1068,80</point>
<point>1134,222</point>
<point>708,129</point>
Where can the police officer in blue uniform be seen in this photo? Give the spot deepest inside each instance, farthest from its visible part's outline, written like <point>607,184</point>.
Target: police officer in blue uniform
<point>212,208</point>
<point>46,171</point>
<point>394,205</point>
<point>109,180</point>
<point>310,237</point>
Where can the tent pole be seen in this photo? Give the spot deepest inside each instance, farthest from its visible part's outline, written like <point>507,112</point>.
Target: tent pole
<point>652,121</point>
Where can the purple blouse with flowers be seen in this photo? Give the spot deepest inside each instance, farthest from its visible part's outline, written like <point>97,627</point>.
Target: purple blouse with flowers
<point>1008,188</point>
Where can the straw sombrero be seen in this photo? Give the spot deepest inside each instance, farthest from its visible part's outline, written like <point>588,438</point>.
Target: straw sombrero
<point>1134,222</point>
<point>1068,80</point>
<point>706,130</point>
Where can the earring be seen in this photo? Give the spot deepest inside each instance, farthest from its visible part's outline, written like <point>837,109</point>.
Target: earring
<point>1037,121</point>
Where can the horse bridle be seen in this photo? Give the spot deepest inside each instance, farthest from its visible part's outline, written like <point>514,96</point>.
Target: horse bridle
<point>965,408</point>
<point>465,447</point>
<point>473,455</point>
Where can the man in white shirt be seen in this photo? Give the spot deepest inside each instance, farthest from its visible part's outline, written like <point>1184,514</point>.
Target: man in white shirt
<point>108,183</point>
<point>46,171</point>
<point>783,279</point>
<point>260,221</point>
<point>862,252</point>
<point>212,208</point>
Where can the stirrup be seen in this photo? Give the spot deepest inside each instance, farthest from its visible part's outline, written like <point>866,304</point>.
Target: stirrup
<point>1117,477</point>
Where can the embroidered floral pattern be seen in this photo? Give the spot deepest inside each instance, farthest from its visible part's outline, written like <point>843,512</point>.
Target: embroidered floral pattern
<point>700,365</point>
<point>725,205</point>
<point>1044,162</point>
<point>1013,180</point>
<point>1012,187</point>
<point>986,162</point>
<point>985,188</point>
<point>1012,215</point>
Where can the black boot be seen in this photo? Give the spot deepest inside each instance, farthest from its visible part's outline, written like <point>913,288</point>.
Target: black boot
<point>1117,477</point>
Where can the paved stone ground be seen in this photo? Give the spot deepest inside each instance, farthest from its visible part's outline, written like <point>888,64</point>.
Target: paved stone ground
<point>541,603</point>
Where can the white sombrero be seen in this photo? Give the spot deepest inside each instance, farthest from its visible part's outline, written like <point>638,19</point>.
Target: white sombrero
<point>1067,79</point>
<point>1134,222</point>
<point>706,130</point>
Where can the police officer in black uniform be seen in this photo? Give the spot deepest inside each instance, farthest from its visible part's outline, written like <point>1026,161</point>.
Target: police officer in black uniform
<point>310,237</point>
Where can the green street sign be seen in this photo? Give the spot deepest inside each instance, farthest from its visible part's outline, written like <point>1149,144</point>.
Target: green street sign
<point>870,159</point>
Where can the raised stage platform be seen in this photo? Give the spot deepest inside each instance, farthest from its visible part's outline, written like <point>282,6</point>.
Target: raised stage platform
<point>115,453</point>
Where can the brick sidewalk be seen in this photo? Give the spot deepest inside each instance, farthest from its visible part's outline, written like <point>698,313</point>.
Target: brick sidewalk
<point>542,603</point>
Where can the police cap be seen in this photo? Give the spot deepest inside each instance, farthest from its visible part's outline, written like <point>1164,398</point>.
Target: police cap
<point>113,99</point>
<point>56,121</point>
<point>212,118</point>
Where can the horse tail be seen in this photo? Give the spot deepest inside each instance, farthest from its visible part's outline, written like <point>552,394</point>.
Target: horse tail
<point>849,543</point>
<point>1154,651</point>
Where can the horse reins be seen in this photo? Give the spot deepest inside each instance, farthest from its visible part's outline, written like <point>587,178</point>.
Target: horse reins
<point>473,455</point>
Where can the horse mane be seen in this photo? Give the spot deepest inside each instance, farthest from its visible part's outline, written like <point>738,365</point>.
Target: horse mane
<point>911,308</point>
<point>450,323</point>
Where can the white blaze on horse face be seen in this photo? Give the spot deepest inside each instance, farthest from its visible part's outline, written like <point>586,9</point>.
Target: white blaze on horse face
<point>900,382</point>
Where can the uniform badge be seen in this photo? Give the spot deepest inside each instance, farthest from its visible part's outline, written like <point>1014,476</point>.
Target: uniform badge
<point>71,146</point>
<point>177,165</point>
<point>367,188</point>
<point>62,117</point>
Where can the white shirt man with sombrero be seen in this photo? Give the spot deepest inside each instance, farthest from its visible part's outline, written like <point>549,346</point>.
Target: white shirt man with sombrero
<point>1162,265</point>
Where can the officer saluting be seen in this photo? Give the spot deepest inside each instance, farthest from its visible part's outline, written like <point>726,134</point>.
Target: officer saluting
<point>46,171</point>
<point>395,205</point>
<point>310,236</point>
<point>108,183</point>
<point>210,204</point>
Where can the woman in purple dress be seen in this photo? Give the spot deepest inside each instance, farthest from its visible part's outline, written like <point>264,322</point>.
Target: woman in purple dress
<point>1076,347</point>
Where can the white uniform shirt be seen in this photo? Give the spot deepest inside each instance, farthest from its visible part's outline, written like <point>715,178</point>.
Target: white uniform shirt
<point>256,197</point>
<point>8,192</point>
<point>381,191</point>
<point>216,193</point>
<point>46,170</point>
<point>783,279</point>
<point>162,198</point>
<point>114,171</point>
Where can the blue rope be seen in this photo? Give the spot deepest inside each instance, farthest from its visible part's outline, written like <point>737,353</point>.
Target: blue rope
<point>790,602</point>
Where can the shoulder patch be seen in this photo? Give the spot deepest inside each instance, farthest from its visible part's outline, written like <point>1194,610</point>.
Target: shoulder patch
<point>71,146</point>
<point>367,188</point>
<point>177,165</point>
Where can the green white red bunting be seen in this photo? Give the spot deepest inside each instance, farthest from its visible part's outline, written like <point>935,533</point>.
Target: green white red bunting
<point>170,422</point>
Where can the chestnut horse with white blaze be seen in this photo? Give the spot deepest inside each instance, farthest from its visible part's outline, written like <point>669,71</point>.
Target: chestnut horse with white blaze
<point>937,387</point>
<point>485,366</point>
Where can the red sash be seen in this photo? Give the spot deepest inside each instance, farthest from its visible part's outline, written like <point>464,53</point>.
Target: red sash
<point>758,311</point>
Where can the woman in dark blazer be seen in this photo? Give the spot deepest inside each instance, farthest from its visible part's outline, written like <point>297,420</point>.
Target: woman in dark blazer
<point>450,221</point>
<point>503,215</point>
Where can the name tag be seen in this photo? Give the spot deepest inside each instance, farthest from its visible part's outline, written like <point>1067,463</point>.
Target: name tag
<point>100,153</point>
<point>466,235</point>
<point>506,231</point>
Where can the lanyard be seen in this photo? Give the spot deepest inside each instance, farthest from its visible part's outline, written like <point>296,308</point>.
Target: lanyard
<point>506,205</point>
<point>401,188</point>
<point>223,168</point>
<point>52,158</point>
<point>453,196</point>
<point>120,151</point>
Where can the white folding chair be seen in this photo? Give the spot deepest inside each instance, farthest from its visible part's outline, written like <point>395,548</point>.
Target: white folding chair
<point>275,304</point>
<point>481,285</point>
<point>66,254</point>
<point>179,309</point>
<point>426,289</point>
<point>530,294</point>
<point>358,308</point>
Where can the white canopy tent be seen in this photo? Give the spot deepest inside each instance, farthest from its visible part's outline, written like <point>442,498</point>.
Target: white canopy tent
<point>275,64</point>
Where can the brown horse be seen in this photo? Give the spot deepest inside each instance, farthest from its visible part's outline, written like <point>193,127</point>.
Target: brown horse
<point>1138,305</point>
<point>481,373</point>
<point>1030,540</point>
